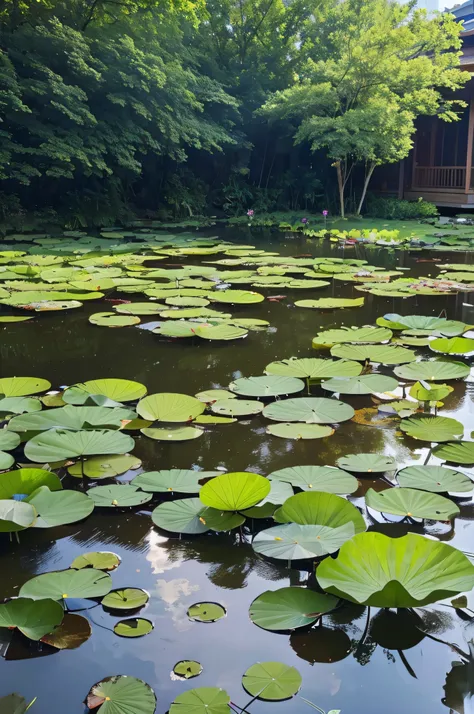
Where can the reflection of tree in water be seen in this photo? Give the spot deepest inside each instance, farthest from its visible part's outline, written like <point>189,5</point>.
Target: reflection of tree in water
<point>459,685</point>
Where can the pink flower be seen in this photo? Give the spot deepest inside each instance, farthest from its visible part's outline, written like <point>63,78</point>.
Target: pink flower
<point>250,212</point>
<point>325,213</point>
<point>304,220</point>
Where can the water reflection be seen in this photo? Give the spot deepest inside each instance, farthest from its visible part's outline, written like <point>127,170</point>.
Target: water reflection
<point>459,686</point>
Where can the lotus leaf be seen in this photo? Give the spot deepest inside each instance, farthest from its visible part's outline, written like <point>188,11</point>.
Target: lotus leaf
<point>411,571</point>
<point>100,560</point>
<point>453,345</point>
<point>139,308</point>
<point>331,303</point>
<point>176,328</point>
<point>290,430</point>
<point>311,410</point>
<point>187,669</point>
<point>181,516</point>
<point>317,478</point>
<point>34,619</point>
<point>272,386</point>
<point>111,319</point>
<point>25,481</point>
<point>209,419</point>
<point>272,681</point>
<point>8,440</point>
<point>22,386</point>
<point>383,354</point>
<point>296,542</point>
<point>358,335</point>
<point>125,599</point>
<point>279,492</point>
<point>459,452</point>
<point>19,405</point>
<point>235,491</point>
<point>425,392</point>
<point>206,612</point>
<point>236,407</point>
<point>99,467</point>
<point>15,318</point>
<point>431,428</point>
<point>220,332</point>
<point>56,445</point>
<point>289,608</point>
<point>169,407</point>
<point>173,480</point>
<point>432,371</point>
<point>236,297</point>
<point>314,368</point>
<point>437,479</point>
<point>182,433</point>
<point>320,509</point>
<point>118,496</point>
<point>117,390</point>
<point>367,463</point>
<point>73,631</point>
<point>410,502</point>
<point>6,460</point>
<point>122,695</point>
<point>69,417</point>
<point>16,516</point>
<point>57,508</point>
<point>439,325</point>
<point>63,584</point>
<point>133,627</point>
<point>182,301</point>
<point>212,395</point>
<point>37,297</point>
<point>14,704</point>
<point>365,384</point>
<point>205,700</point>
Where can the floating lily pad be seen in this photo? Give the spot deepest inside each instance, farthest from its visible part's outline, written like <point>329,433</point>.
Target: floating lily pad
<point>23,386</point>
<point>69,417</point>
<point>19,405</point>
<point>6,461</point>
<point>290,430</point>
<point>364,384</point>
<point>117,390</point>
<point>314,368</point>
<point>34,619</point>
<point>296,542</point>
<point>236,297</point>
<point>8,440</point>
<point>139,308</point>
<point>205,700</point>
<point>111,319</point>
<point>317,478</point>
<point>25,481</point>
<point>16,516</point>
<point>170,407</point>
<point>57,508</point>
<point>278,494</point>
<point>439,325</point>
<point>271,386</point>
<point>411,571</point>
<point>432,370</point>
<point>73,631</point>
<point>426,392</point>
<point>432,428</point>
<point>358,335</point>
<point>209,396</point>
<point>236,407</point>
<point>182,433</point>
<point>118,496</point>
<point>437,479</point>
<point>220,332</point>
<point>331,303</point>
<point>234,491</point>
<point>99,467</point>
<point>382,354</point>
<point>311,410</point>
<point>289,608</point>
<point>63,584</point>
<point>57,445</point>
<point>320,509</point>
<point>133,627</point>
<point>14,704</point>
<point>125,599</point>
<point>367,463</point>
<point>15,318</point>
<point>410,502</point>
<point>206,612</point>
<point>122,695</point>
<point>453,345</point>
<point>459,452</point>
<point>209,419</point>
<point>187,669</point>
<point>172,480</point>
<point>272,681</point>
<point>182,301</point>
<point>181,516</point>
<point>176,328</point>
<point>100,560</point>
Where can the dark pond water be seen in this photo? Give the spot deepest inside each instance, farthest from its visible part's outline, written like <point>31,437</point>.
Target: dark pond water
<point>393,671</point>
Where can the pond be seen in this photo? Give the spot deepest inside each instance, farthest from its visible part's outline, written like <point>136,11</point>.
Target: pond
<point>393,666</point>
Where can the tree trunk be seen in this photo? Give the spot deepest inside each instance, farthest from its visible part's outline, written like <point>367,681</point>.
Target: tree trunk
<point>340,183</point>
<point>368,176</point>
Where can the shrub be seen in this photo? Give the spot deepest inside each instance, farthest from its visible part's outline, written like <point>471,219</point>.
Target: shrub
<point>394,208</point>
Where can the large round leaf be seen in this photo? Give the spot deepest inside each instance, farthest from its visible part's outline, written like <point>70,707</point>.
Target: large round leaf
<point>56,508</point>
<point>372,569</point>
<point>25,481</point>
<point>63,584</point>
<point>118,390</point>
<point>289,608</point>
<point>118,496</point>
<point>365,384</point>
<point>16,516</point>
<point>56,445</point>
<point>314,368</point>
<point>271,386</point>
<point>361,335</point>
<point>19,405</point>
<point>176,433</point>
<point>236,297</point>
<point>321,509</point>
<point>432,371</point>
<point>272,681</point>
<point>459,452</point>
<point>220,332</point>
<point>34,619</point>
<point>298,431</point>
<point>111,319</point>
<point>122,695</point>
<point>383,354</point>
<point>74,418</point>
<point>181,516</point>
<point>439,325</point>
<point>99,467</point>
<point>367,463</point>
<point>235,491</point>
<point>73,631</point>
<point>139,308</point>
<point>452,346</point>
<point>317,478</point>
<point>437,479</point>
<point>23,386</point>
<point>133,627</point>
<point>295,542</point>
<point>173,480</point>
<point>204,700</point>
<point>170,407</point>
<point>236,407</point>
<point>330,303</point>
<point>6,460</point>
<point>100,560</point>
<point>8,440</point>
<point>311,410</point>
<point>126,599</point>
<point>431,428</point>
<point>410,502</point>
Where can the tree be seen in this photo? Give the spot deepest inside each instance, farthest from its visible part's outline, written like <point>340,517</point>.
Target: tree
<point>361,88</point>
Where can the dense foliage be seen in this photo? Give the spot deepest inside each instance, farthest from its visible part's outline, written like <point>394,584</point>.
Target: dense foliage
<point>175,108</point>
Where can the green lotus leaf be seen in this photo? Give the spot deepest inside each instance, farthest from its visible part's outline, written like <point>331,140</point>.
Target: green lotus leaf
<point>356,335</point>
<point>6,461</point>
<point>181,301</point>
<point>236,297</point>
<point>57,445</point>
<point>317,478</point>
<point>298,431</point>
<point>437,479</point>
<point>272,681</point>
<point>272,386</point>
<point>289,608</point>
<point>235,491</point>
<point>320,509</point>
<point>69,417</point>
<point>122,695</point>
<point>117,390</point>
<point>111,319</point>
<point>99,467</point>
<point>278,494</point>
<point>73,631</point>
<point>330,303</point>
<point>173,480</point>
<point>19,405</point>
<point>22,386</point>
<point>452,345</point>
<point>15,318</point>
<point>212,395</point>
<point>432,370</point>
<point>311,410</point>
<point>57,508</point>
<point>16,516</point>
<point>139,308</point>
<point>296,542</point>
<point>220,332</point>
<point>459,452</point>
<point>206,612</point>
<point>125,599</point>
<point>236,407</point>
<point>178,433</point>
<point>425,392</point>
<point>382,354</point>
<point>411,571</point>
<point>187,669</point>
<point>14,704</point>
<point>63,584</point>
<point>100,560</point>
<point>205,700</point>
<point>431,428</point>
<point>209,419</point>
<point>412,341</point>
<point>176,328</point>
<point>8,440</point>
<point>34,619</point>
<point>133,627</point>
<point>181,516</point>
<point>367,463</point>
<point>34,298</point>
<point>54,399</point>
<point>439,325</point>
<point>169,407</point>
<point>364,384</point>
<point>118,496</point>
<point>25,481</point>
<point>410,502</point>
<point>314,368</point>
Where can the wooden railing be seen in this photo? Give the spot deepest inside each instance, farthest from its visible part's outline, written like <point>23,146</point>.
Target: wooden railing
<point>447,177</point>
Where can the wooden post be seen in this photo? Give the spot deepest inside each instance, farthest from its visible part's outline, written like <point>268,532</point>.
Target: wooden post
<point>470,133</point>
<point>413,167</point>
<point>401,179</point>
